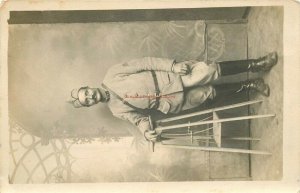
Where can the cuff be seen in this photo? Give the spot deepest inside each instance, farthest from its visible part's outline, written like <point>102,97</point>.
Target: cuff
<point>144,126</point>
<point>172,67</point>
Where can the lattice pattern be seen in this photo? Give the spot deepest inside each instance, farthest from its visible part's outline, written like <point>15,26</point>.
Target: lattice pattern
<point>33,163</point>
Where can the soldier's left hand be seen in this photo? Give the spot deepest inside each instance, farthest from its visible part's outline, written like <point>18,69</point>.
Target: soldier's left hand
<point>183,68</point>
<point>180,68</point>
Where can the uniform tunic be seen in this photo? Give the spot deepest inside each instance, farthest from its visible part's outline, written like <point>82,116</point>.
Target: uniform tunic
<point>133,81</point>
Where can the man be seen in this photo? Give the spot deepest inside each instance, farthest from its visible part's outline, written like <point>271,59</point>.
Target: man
<point>131,88</point>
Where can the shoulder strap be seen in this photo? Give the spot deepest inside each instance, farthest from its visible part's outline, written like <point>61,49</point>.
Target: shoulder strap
<point>140,110</point>
<point>157,91</point>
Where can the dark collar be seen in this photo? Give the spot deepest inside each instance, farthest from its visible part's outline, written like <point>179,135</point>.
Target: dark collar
<point>107,96</point>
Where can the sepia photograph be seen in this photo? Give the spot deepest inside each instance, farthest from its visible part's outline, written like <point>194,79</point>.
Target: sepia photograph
<point>188,94</point>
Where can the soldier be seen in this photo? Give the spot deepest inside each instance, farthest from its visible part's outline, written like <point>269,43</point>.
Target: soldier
<point>132,88</point>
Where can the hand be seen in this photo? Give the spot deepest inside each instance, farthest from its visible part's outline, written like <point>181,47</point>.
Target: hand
<point>151,135</point>
<point>180,68</point>
<point>183,68</point>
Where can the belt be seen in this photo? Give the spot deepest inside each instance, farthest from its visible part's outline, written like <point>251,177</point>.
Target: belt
<point>157,91</point>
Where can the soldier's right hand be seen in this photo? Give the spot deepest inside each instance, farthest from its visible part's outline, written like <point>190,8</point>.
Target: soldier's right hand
<point>151,135</point>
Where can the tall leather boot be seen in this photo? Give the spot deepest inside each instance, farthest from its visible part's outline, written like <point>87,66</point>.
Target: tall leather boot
<point>264,63</point>
<point>229,89</point>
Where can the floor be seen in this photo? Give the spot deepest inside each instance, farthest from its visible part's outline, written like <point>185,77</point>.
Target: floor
<point>265,31</point>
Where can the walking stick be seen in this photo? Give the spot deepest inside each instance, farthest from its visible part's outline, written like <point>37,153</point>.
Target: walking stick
<point>151,129</point>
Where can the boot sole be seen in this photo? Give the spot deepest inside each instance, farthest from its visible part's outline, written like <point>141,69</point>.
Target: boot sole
<point>266,91</point>
<point>274,59</point>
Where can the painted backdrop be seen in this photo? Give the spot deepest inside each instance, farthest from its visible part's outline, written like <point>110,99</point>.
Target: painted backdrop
<point>46,61</point>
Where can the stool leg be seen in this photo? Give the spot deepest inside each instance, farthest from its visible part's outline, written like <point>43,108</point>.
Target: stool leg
<point>241,138</point>
<point>214,121</point>
<point>216,149</point>
<point>208,111</point>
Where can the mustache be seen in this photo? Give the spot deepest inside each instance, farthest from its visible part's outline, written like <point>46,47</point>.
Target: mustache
<point>94,95</point>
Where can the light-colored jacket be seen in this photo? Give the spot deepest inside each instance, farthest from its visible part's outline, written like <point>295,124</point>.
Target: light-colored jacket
<point>133,81</point>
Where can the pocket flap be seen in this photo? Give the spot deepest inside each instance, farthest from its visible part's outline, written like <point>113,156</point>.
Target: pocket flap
<point>164,107</point>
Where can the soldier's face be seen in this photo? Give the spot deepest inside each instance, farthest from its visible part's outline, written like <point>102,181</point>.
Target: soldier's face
<point>89,96</point>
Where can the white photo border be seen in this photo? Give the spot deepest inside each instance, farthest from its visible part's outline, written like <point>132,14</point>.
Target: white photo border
<point>291,132</point>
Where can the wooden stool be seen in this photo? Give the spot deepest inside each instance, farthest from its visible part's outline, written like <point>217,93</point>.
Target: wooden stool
<point>209,138</point>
